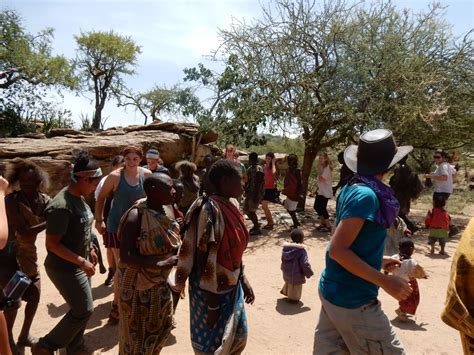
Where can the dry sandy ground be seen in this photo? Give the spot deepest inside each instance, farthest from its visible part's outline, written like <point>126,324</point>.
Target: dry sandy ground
<point>275,326</point>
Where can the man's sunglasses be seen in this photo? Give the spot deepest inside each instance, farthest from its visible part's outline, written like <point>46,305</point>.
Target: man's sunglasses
<point>437,156</point>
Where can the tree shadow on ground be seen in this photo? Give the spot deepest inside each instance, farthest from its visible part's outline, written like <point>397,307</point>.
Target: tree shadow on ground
<point>409,325</point>
<point>286,307</point>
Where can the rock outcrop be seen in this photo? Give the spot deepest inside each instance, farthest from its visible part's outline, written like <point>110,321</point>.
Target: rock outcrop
<point>175,141</point>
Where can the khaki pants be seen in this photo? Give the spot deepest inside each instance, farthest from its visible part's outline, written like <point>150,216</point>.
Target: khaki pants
<point>363,330</point>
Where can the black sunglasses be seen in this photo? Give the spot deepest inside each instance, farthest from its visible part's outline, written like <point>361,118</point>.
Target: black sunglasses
<point>437,156</point>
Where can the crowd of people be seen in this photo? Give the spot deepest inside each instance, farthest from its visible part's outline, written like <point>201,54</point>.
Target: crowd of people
<point>162,234</point>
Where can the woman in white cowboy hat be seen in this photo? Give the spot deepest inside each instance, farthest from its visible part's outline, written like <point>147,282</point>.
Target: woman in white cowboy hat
<point>351,319</point>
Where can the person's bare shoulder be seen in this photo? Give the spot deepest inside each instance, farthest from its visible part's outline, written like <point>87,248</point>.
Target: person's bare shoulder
<point>146,172</point>
<point>111,182</point>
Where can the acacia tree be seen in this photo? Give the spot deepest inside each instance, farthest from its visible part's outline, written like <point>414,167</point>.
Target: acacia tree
<point>103,58</point>
<point>28,72</point>
<point>413,77</point>
<point>336,70</point>
<point>161,100</point>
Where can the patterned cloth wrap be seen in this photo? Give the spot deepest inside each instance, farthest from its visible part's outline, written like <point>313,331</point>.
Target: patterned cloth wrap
<point>146,306</point>
<point>215,229</point>
<point>459,307</point>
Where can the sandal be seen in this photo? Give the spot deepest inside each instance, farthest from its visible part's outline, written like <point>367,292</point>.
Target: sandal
<point>322,228</point>
<point>269,227</point>
<point>255,231</point>
<point>27,342</point>
<point>114,315</point>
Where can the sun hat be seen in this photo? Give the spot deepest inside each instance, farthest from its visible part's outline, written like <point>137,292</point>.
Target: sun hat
<point>376,153</point>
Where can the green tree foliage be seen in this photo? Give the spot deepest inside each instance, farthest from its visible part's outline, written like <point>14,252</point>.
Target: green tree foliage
<point>103,59</point>
<point>160,101</point>
<point>334,70</point>
<point>27,58</point>
<point>28,71</point>
<point>229,112</point>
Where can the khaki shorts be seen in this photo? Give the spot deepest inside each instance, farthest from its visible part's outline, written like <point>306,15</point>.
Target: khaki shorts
<point>363,330</point>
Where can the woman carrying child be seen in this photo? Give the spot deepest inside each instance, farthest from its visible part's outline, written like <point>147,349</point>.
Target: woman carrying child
<point>211,257</point>
<point>351,318</point>
<point>25,208</point>
<point>295,266</point>
<point>324,192</point>
<point>149,242</point>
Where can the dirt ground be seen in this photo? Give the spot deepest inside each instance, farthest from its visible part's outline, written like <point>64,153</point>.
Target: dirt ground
<point>276,326</point>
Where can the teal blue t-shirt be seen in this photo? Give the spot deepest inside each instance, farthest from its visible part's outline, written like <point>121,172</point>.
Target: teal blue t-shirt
<point>337,285</point>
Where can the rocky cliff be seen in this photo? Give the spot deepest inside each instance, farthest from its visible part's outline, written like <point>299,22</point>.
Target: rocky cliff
<point>175,141</point>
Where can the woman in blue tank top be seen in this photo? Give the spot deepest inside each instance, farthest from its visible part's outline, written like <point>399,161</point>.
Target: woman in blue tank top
<point>126,186</point>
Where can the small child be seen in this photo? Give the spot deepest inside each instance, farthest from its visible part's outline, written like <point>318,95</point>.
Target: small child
<point>295,266</point>
<point>409,270</point>
<point>438,222</point>
<point>292,189</point>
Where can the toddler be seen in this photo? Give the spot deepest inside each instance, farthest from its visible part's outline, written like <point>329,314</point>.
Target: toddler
<point>410,271</point>
<point>438,222</point>
<point>295,266</point>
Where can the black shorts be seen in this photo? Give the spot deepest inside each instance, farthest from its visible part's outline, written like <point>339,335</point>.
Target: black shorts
<point>320,206</point>
<point>441,195</point>
<point>271,195</point>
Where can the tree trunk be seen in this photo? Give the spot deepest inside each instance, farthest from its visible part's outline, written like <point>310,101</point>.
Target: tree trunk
<point>310,154</point>
<point>97,119</point>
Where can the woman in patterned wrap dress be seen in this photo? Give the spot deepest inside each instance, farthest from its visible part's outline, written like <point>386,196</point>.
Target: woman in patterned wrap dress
<point>149,241</point>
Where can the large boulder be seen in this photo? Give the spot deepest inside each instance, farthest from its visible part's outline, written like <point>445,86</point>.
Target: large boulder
<point>175,141</point>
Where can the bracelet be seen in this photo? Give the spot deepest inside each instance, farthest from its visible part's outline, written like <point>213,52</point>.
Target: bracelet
<point>213,308</point>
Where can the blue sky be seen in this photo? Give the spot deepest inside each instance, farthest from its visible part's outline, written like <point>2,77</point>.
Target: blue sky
<point>174,34</point>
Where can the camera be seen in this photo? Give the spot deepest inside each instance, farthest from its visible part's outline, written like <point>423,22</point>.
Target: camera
<point>14,290</point>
